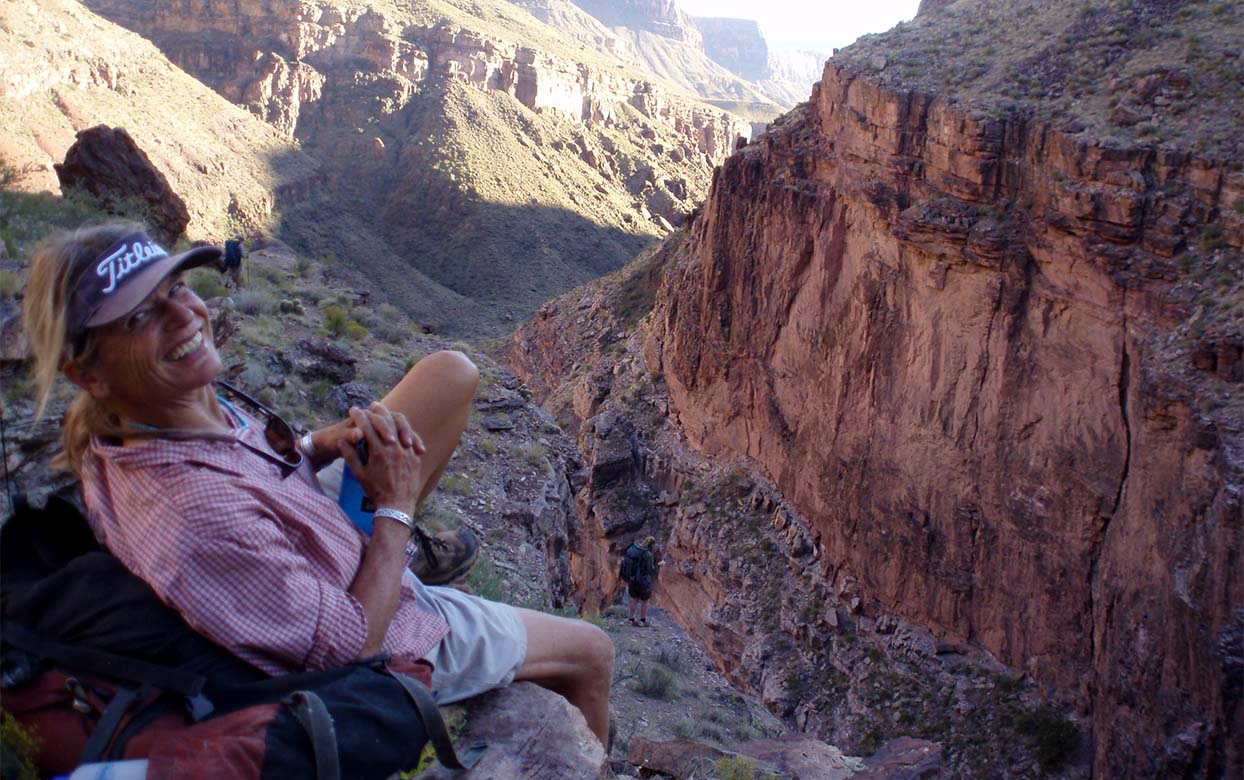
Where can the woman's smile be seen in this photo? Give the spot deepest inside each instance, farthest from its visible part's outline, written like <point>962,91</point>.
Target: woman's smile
<point>186,347</point>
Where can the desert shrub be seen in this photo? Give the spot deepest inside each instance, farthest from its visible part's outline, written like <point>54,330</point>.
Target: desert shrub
<point>253,302</point>
<point>460,484</point>
<point>380,375</point>
<point>488,448</point>
<point>303,266</point>
<point>534,454</point>
<point>656,682</point>
<point>1053,735</point>
<point>616,611</point>
<point>739,768</point>
<point>206,284</point>
<point>17,749</point>
<point>355,331</point>
<point>671,659</point>
<point>335,319</point>
<point>10,284</point>
<point>486,580</point>
<point>691,728</point>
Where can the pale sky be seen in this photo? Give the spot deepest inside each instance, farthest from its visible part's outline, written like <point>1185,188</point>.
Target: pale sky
<point>808,24</point>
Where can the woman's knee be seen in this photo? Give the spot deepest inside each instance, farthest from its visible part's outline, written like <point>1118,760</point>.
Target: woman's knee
<point>598,652</point>
<point>450,368</point>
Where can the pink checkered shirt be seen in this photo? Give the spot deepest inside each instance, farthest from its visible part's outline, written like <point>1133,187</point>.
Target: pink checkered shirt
<point>258,563</point>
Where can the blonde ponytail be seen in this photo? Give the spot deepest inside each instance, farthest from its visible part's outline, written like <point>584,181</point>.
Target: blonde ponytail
<point>58,264</point>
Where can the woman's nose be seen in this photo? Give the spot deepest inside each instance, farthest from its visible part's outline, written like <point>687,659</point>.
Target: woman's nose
<point>177,313</point>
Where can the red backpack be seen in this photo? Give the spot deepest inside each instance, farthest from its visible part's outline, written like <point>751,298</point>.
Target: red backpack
<point>96,668</point>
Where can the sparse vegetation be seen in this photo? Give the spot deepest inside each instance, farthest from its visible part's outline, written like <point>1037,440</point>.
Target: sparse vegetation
<point>1052,734</point>
<point>656,681</point>
<point>17,750</point>
<point>739,768</point>
<point>486,580</point>
<point>10,284</point>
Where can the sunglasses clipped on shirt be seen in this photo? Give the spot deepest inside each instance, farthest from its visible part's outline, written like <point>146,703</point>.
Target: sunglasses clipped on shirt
<point>280,436</point>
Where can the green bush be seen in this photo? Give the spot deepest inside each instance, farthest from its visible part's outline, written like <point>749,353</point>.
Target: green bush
<point>460,484</point>
<point>253,302</point>
<point>1053,735</point>
<point>486,580</point>
<point>206,285</point>
<point>656,682</point>
<point>739,768</point>
<point>355,331</point>
<point>17,749</point>
<point>335,319</point>
<point>10,284</point>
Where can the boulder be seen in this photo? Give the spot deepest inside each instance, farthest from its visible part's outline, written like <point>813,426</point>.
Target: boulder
<point>106,163</point>
<point>319,359</point>
<point>904,758</point>
<point>531,733</point>
<point>342,397</point>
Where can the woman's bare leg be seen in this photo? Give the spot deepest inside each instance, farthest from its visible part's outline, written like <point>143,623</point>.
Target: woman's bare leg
<point>436,396</point>
<point>573,658</point>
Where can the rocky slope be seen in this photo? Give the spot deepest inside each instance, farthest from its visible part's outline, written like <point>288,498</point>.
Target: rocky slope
<point>66,69</point>
<point>988,357</point>
<point>451,134</point>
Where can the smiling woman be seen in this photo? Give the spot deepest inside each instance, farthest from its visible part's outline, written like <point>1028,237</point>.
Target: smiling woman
<point>75,290</point>
<point>197,498</point>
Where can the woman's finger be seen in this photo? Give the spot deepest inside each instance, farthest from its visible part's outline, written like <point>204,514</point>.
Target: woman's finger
<point>406,434</point>
<point>382,420</point>
<point>364,423</point>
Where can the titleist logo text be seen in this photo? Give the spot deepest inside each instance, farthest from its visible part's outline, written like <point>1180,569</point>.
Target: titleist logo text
<point>125,260</point>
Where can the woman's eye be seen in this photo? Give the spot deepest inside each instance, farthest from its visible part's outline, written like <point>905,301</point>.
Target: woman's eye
<point>136,319</point>
<point>177,288</point>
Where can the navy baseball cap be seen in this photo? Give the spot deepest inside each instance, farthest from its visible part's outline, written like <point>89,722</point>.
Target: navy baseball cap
<point>122,277</point>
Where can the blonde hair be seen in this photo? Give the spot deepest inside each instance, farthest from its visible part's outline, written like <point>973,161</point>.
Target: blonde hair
<point>58,264</point>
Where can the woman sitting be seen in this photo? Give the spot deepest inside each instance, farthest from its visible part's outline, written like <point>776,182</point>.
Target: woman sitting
<point>221,511</point>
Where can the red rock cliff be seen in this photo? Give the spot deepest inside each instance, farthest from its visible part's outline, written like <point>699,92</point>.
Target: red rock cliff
<point>958,345</point>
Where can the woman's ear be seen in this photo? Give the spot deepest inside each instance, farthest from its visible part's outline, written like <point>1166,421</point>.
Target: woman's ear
<point>86,378</point>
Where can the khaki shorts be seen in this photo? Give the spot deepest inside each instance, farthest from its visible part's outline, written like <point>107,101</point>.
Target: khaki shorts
<point>487,640</point>
<point>486,645</point>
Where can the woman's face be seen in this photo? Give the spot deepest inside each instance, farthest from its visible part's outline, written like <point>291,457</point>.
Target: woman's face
<point>159,353</point>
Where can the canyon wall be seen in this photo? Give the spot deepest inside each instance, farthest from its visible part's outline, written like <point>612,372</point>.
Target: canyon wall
<point>968,349</point>
<point>737,44</point>
<point>292,62</point>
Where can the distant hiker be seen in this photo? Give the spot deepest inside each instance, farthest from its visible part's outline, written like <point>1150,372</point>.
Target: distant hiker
<point>234,253</point>
<point>638,569</point>
<point>211,499</point>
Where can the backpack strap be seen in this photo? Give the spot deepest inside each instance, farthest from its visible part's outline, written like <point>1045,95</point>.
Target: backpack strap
<point>106,726</point>
<point>434,724</point>
<point>84,659</point>
<point>313,716</point>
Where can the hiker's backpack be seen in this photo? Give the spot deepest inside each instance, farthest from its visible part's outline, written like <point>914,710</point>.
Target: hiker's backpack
<point>632,566</point>
<point>98,669</point>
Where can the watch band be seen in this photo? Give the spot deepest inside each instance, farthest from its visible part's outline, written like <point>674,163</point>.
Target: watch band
<point>396,514</point>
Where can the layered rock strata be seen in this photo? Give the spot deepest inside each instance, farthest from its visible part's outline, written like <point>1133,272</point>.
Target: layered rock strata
<point>66,70</point>
<point>284,60</point>
<point>956,344</point>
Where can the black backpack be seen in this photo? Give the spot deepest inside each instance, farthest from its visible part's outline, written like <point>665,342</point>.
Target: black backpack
<point>632,567</point>
<point>97,668</point>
